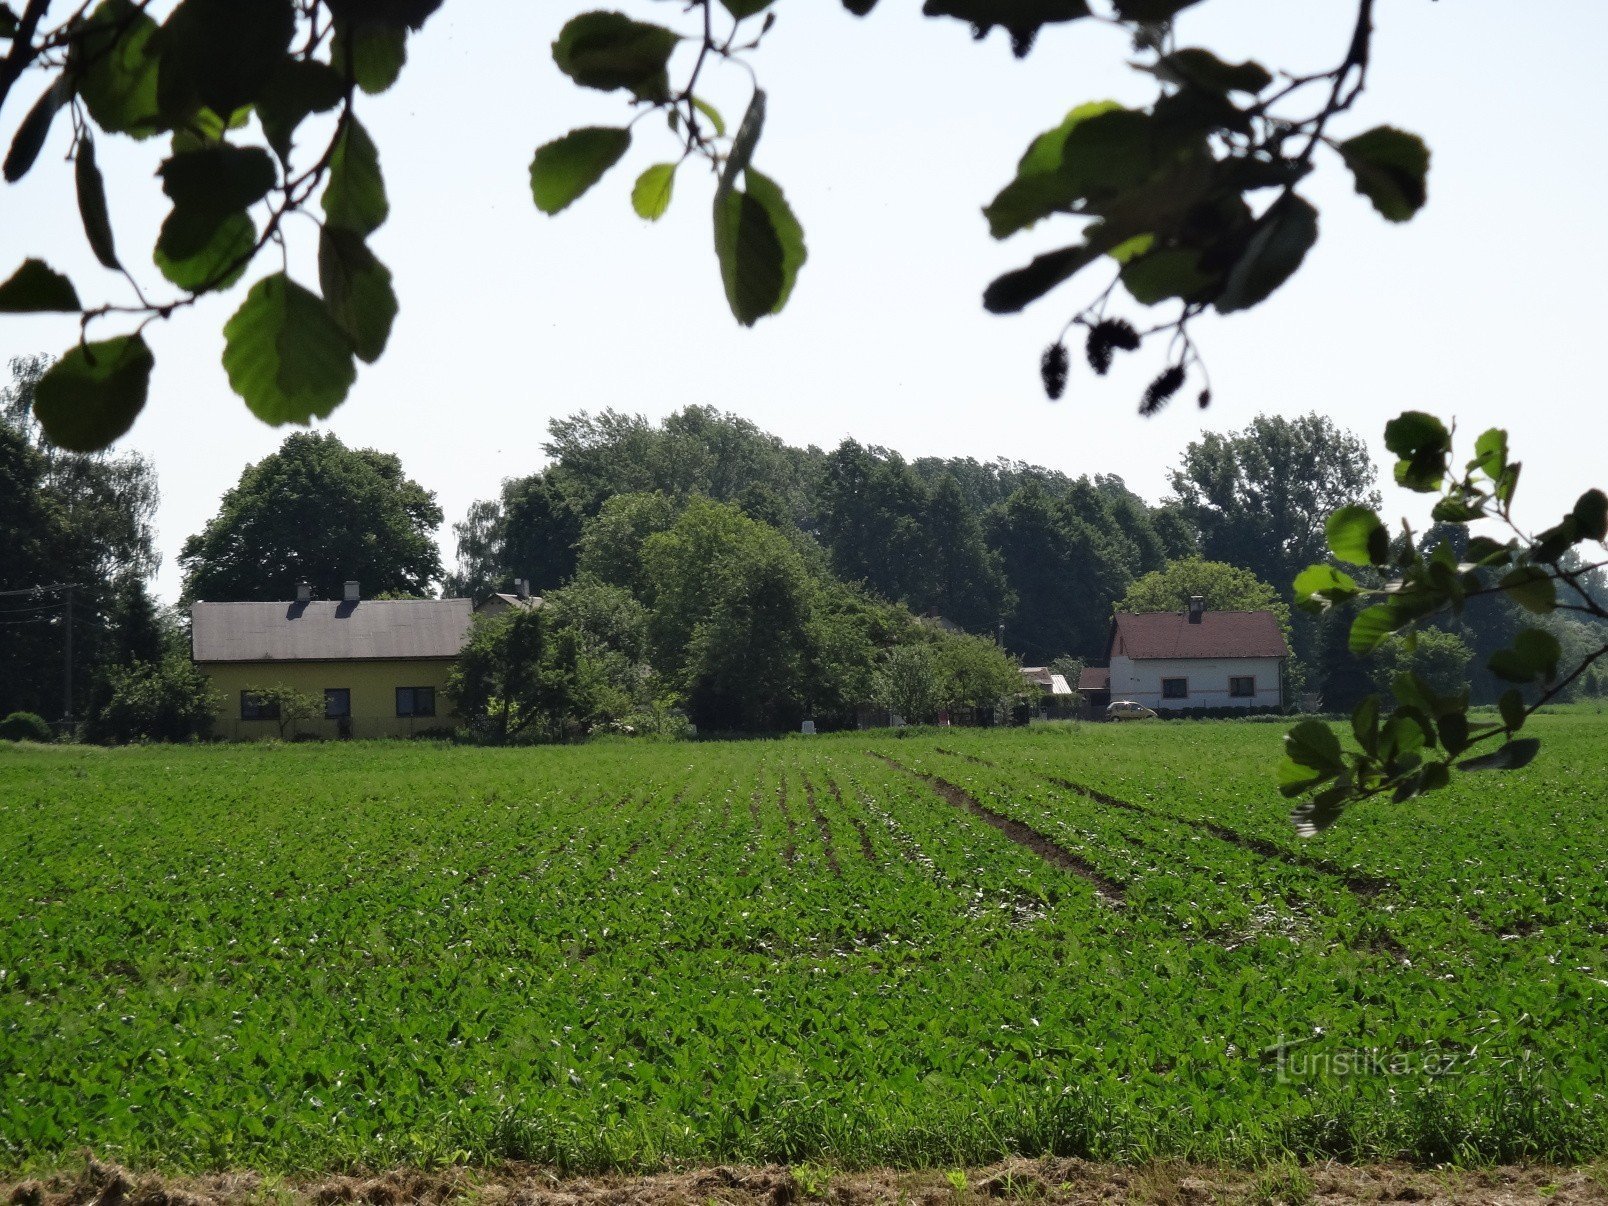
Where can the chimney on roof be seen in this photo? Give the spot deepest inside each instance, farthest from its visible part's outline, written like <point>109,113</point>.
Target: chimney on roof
<point>304,591</point>
<point>1197,608</point>
<point>522,588</point>
<point>351,593</point>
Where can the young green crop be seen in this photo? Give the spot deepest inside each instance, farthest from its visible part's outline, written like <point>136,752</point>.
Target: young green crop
<point>936,950</point>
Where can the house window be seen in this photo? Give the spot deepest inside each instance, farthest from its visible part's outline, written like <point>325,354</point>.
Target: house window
<point>337,703</point>
<point>253,708</point>
<point>415,701</point>
<point>1175,688</point>
<point>1242,688</point>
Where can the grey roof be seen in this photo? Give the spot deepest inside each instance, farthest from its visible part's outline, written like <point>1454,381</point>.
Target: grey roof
<point>529,603</point>
<point>370,630</point>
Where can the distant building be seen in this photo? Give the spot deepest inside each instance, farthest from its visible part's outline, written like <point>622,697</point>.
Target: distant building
<point>1181,660</point>
<point>499,602</point>
<point>379,665</point>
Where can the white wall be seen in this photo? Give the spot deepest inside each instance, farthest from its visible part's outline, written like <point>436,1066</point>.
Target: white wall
<point>1208,681</point>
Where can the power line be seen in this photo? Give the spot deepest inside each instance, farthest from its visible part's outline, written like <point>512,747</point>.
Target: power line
<point>38,590</point>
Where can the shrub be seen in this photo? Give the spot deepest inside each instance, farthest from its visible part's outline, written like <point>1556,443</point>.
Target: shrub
<point>168,700</point>
<point>26,726</point>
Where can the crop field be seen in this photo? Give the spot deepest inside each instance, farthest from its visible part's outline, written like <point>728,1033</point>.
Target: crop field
<point>919,951</point>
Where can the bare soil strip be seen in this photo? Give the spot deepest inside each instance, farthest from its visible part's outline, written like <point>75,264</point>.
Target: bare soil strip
<point>825,828</point>
<point>1361,885</point>
<point>867,850</point>
<point>790,854</point>
<point>1051,1180</point>
<point>1023,835</point>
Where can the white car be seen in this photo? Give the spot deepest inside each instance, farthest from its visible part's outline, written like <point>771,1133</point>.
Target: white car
<point>1127,709</point>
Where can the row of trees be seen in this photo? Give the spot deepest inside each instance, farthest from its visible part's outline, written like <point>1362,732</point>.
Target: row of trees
<point>695,607</point>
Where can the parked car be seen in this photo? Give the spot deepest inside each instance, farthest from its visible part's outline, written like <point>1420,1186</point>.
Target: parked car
<point>1127,709</point>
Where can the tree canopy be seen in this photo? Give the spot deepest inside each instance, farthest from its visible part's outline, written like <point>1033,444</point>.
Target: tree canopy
<point>320,512</point>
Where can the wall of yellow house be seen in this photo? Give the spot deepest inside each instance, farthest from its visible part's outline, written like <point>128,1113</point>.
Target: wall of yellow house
<point>372,684</point>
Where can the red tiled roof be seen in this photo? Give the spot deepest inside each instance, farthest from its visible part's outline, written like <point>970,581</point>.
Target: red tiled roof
<point>1219,634</point>
<point>1095,678</point>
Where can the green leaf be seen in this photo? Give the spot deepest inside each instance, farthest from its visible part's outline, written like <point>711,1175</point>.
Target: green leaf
<point>750,253</point>
<point>1391,169</point>
<point>93,394</point>
<point>1365,724</point>
<point>92,203</point>
<point>1530,587</point>
<point>297,88</point>
<point>1491,453</point>
<point>1423,444</point>
<point>1357,535</point>
<point>1511,705</point>
<point>1454,732</point>
<point>1534,655</point>
<point>286,355</point>
<point>1322,585</point>
<point>1203,69</point>
<point>609,50</point>
<point>1040,188</point>
<point>1371,627</point>
<point>1321,811</point>
<point>1540,649</point>
<point>30,137</point>
<point>409,13</point>
<point>1283,237</point>
<point>745,8</point>
<point>115,63</point>
<point>1009,293</point>
<point>712,113</point>
<point>1022,19</point>
<point>791,235</point>
<point>216,264</point>
<point>357,291</point>
<point>1295,779</point>
<point>210,187</point>
<point>1511,756</point>
<point>1151,10</point>
<point>37,288</point>
<point>565,168</point>
<point>650,196</point>
<point>355,199</point>
<point>219,54</point>
<point>1313,743</point>
<point>1168,272</point>
<point>1591,515</point>
<point>370,53</point>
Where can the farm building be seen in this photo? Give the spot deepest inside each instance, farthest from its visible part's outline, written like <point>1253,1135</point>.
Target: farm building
<point>1179,660</point>
<point>379,665</point>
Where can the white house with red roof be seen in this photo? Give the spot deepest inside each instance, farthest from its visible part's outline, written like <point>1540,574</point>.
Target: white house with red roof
<point>1181,660</point>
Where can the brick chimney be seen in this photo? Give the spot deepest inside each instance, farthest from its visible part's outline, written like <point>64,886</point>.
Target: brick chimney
<point>1197,608</point>
<point>351,594</point>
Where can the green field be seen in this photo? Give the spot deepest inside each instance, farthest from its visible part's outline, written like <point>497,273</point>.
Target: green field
<point>866,949</point>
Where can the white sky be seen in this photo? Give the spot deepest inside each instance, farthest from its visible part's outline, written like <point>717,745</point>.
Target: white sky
<point>888,135</point>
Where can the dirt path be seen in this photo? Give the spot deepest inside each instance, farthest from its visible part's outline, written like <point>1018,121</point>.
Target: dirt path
<point>1046,1181</point>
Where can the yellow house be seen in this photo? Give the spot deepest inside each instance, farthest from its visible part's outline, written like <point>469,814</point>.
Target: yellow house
<point>378,666</point>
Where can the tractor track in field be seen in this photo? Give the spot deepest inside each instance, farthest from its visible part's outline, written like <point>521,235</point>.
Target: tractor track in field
<point>1023,835</point>
<point>1365,886</point>
<point>867,850</point>
<point>790,852</point>
<point>824,827</point>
